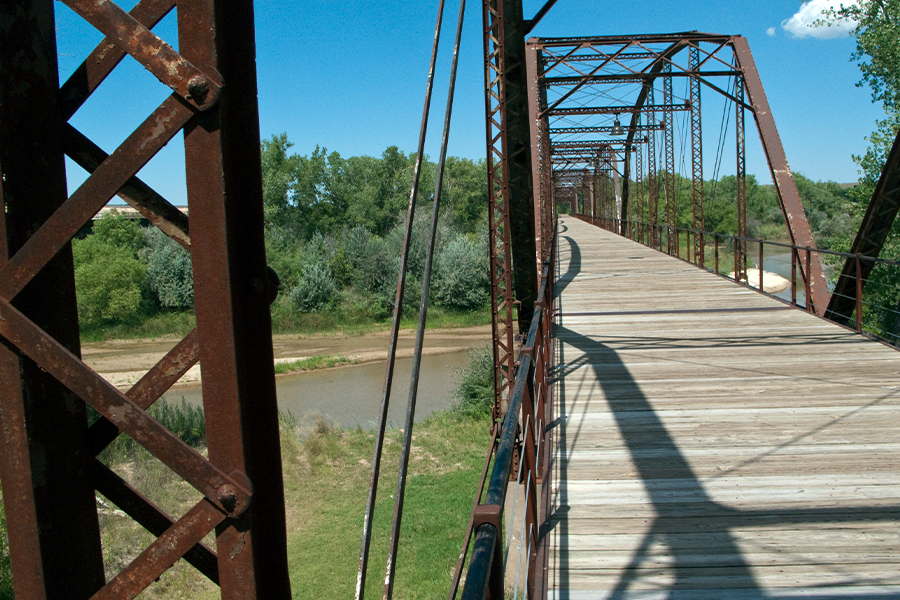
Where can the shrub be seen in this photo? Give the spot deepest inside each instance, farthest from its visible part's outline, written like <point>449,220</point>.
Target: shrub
<point>315,289</point>
<point>170,275</point>
<point>475,393</point>
<point>460,277</point>
<point>108,279</point>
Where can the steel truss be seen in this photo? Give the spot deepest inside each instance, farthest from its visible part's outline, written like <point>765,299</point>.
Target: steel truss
<point>589,82</point>
<point>49,468</point>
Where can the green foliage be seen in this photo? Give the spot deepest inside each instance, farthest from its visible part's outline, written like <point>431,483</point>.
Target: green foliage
<point>116,230</point>
<point>108,279</point>
<point>475,393</point>
<point>6,591</point>
<point>465,191</point>
<point>170,274</point>
<point>325,361</point>
<point>461,274</point>
<point>315,288</point>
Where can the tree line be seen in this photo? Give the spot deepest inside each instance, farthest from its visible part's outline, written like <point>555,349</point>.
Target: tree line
<point>334,231</point>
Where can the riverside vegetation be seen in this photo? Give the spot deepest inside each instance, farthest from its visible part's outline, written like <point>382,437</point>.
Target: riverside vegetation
<point>314,205</point>
<point>326,476</point>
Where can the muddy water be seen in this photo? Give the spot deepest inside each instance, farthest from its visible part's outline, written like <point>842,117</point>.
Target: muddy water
<point>351,396</point>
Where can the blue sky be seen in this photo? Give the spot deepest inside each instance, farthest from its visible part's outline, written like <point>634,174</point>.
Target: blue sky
<point>350,76</point>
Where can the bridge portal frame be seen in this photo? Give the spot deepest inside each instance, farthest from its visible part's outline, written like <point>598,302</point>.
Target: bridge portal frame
<point>641,60</point>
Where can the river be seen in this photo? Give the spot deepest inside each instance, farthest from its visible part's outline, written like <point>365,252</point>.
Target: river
<point>351,396</point>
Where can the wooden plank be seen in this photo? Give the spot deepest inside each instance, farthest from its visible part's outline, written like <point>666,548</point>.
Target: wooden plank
<point>709,439</point>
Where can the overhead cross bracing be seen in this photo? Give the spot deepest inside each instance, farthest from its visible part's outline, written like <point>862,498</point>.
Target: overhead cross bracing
<point>642,98</point>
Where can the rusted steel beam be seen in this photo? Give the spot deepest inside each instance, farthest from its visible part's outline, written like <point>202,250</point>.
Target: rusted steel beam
<point>104,58</point>
<point>53,530</point>
<point>171,68</point>
<point>612,110</point>
<point>669,175</point>
<point>500,247</point>
<point>150,387</point>
<point>633,77</point>
<point>231,295</point>
<point>517,154</point>
<point>186,533</point>
<point>873,232</point>
<point>229,494</point>
<point>149,516</point>
<point>740,259</point>
<point>140,196</point>
<point>696,158</point>
<point>107,179</point>
<point>785,186</point>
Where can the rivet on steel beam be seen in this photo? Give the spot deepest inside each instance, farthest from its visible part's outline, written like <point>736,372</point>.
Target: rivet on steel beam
<point>198,88</point>
<point>228,497</point>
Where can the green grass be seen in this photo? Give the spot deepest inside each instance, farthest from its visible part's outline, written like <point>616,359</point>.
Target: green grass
<point>326,474</point>
<point>352,317</point>
<point>324,361</point>
<point>326,503</point>
<point>163,324</point>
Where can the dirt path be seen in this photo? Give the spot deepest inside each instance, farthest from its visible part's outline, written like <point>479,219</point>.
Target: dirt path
<point>123,362</point>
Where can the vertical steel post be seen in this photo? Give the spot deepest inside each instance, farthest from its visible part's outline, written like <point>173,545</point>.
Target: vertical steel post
<point>671,202</point>
<point>740,273</point>
<point>652,178</point>
<point>495,56</point>
<point>231,295</point>
<point>696,154</point>
<point>51,512</point>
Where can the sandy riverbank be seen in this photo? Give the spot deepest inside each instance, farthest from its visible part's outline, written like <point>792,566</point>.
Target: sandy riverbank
<point>124,362</point>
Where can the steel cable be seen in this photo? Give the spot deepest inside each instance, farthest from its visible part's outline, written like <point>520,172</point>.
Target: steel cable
<point>395,322</point>
<point>420,330</point>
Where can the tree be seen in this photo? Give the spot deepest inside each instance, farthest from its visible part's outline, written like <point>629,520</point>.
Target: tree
<point>877,51</point>
<point>170,274</point>
<point>108,275</point>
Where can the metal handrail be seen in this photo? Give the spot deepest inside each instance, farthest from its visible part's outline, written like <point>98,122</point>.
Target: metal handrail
<point>800,258</point>
<point>524,436</point>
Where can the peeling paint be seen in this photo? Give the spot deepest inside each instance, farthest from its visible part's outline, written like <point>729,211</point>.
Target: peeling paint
<point>238,546</point>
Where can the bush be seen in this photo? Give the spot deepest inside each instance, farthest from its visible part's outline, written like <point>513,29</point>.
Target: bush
<point>108,279</point>
<point>170,275</point>
<point>460,275</point>
<point>315,289</point>
<point>475,394</point>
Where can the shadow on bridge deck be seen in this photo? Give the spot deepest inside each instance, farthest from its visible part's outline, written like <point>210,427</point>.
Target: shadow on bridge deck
<point>681,471</point>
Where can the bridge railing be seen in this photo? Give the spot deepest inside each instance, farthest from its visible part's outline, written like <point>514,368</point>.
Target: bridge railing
<point>520,453</point>
<point>875,308</point>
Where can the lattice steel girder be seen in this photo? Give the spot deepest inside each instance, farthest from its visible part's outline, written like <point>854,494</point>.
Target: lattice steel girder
<point>696,160</point>
<point>54,536</point>
<point>232,292</point>
<point>632,77</point>
<point>669,175</point>
<point>785,186</point>
<point>602,129</point>
<point>873,232</point>
<point>612,110</point>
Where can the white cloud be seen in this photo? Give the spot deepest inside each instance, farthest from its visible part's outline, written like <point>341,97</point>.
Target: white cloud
<point>770,32</point>
<point>802,23</point>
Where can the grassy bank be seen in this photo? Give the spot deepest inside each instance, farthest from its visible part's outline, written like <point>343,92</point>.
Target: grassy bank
<point>326,473</point>
<point>343,320</point>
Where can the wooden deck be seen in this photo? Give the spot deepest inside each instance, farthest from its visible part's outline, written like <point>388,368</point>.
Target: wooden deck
<point>712,443</point>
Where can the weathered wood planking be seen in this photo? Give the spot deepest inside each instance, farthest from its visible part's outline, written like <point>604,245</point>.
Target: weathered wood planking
<point>713,443</point>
